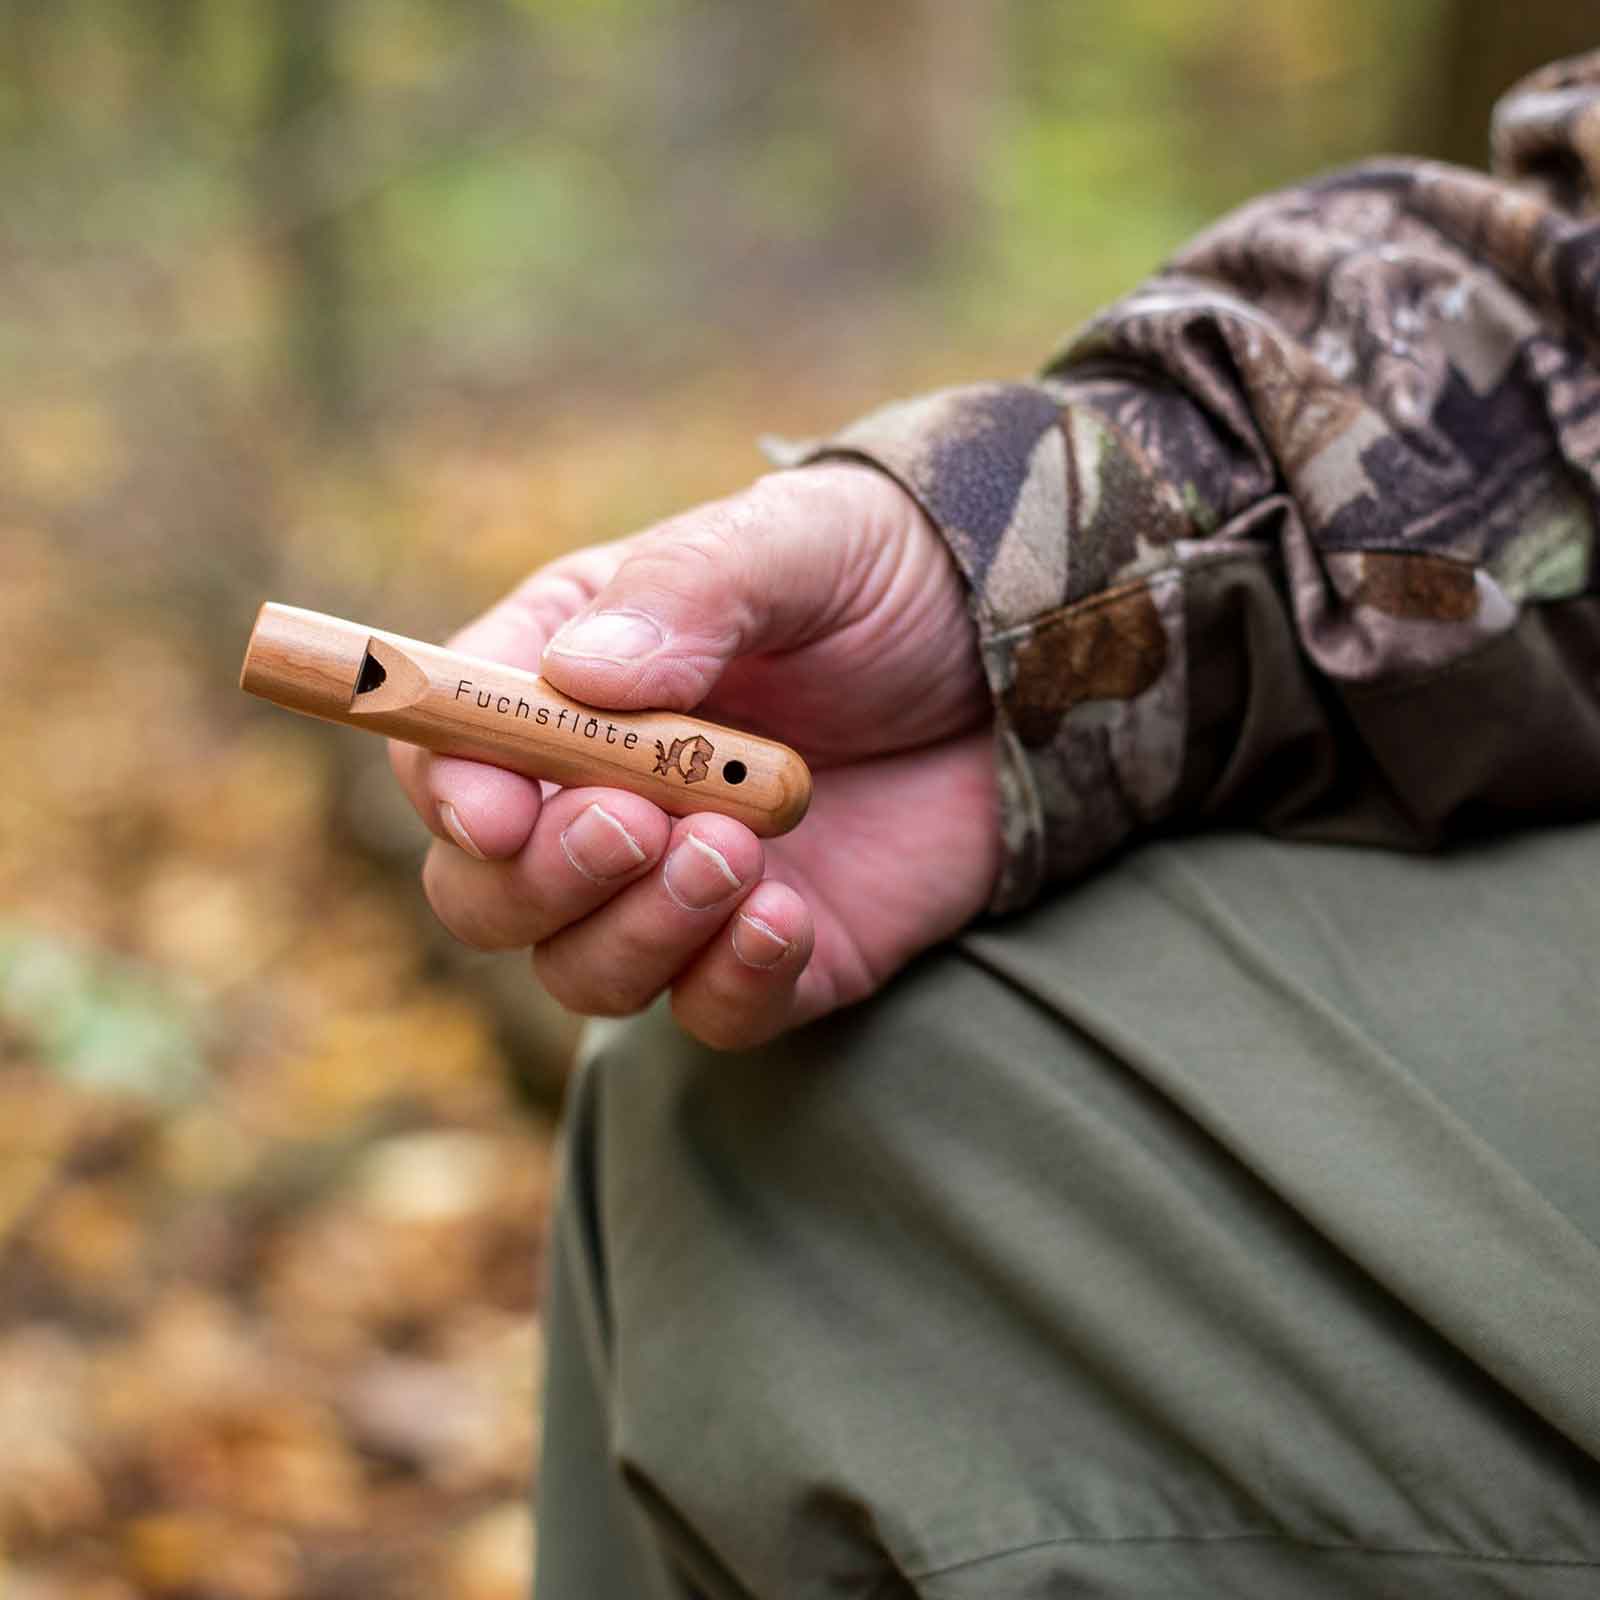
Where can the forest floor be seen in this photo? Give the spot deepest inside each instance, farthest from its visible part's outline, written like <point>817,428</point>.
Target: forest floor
<point>271,1208</point>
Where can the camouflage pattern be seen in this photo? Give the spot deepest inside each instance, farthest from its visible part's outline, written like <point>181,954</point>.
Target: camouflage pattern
<point>1302,531</point>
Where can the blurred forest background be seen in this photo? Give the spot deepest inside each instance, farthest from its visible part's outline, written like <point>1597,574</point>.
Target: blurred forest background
<point>372,305</point>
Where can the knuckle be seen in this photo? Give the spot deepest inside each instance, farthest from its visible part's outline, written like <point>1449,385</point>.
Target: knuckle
<point>714,542</point>
<point>714,1023</point>
<point>699,557</point>
<point>781,491</point>
<point>463,916</point>
<point>463,926</point>
<point>466,929</point>
<point>528,908</point>
<point>803,495</point>
<point>591,988</point>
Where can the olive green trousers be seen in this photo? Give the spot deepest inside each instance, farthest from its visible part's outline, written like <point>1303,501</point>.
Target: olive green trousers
<point>1228,1226</point>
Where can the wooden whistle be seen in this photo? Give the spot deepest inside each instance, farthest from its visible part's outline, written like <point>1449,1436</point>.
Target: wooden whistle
<point>460,705</point>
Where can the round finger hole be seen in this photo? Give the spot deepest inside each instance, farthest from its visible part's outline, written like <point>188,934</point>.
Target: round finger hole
<point>733,771</point>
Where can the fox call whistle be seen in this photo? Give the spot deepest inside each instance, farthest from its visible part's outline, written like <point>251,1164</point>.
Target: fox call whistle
<point>459,705</point>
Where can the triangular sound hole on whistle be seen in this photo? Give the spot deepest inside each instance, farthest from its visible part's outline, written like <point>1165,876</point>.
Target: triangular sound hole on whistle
<point>372,674</point>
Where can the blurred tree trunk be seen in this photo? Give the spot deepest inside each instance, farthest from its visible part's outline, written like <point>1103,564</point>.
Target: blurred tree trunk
<point>302,96</point>
<point>28,27</point>
<point>170,31</point>
<point>171,25</point>
<point>912,85</point>
<point>1479,49</point>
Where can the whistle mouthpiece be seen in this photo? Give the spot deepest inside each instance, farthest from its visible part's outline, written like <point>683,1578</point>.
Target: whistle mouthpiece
<point>461,705</point>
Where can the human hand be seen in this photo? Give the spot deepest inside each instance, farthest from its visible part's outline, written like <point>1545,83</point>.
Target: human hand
<point>817,607</point>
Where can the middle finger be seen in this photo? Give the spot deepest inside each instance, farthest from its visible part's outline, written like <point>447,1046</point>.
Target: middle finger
<point>587,845</point>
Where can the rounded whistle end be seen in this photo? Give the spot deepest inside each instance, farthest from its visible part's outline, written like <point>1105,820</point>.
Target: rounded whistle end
<point>304,660</point>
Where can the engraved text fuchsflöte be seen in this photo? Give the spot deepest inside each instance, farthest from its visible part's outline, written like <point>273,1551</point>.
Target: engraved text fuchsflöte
<point>562,718</point>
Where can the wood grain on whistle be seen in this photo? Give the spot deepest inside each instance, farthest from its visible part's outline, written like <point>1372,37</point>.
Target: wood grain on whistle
<point>460,705</point>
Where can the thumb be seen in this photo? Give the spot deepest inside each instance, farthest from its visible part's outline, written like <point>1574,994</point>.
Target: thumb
<point>787,560</point>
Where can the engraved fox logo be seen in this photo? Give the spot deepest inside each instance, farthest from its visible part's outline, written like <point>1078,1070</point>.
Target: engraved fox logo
<point>689,758</point>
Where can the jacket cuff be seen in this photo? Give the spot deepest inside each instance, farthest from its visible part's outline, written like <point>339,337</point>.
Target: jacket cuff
<point>1036,498</point>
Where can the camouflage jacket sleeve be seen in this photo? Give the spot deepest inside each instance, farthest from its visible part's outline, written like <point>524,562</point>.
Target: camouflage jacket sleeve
<point>1301,532</point>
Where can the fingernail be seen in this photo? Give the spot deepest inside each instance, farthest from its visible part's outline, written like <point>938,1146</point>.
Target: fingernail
<point>599,846</point>
<point>697,876</point>
<point>457,829</point>
<point>609,636</point>
<point>756,944</point>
